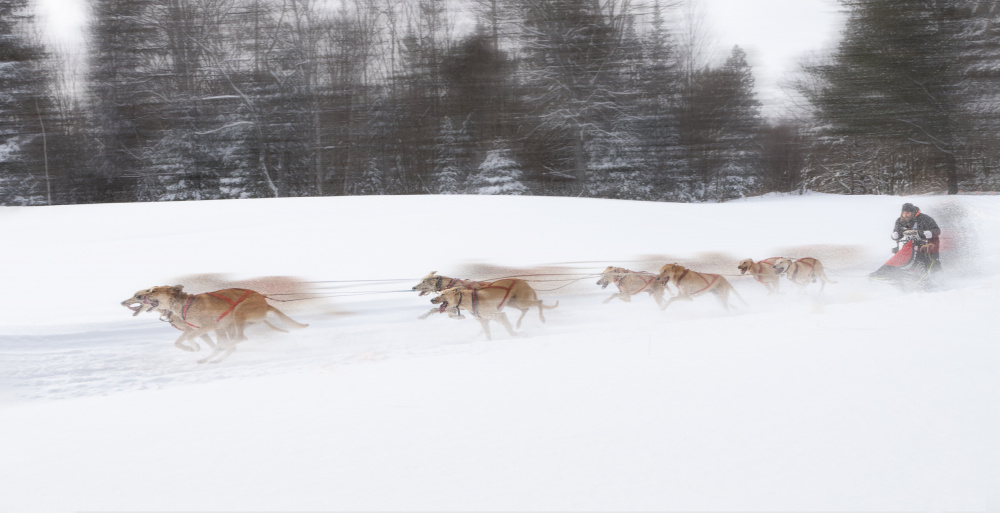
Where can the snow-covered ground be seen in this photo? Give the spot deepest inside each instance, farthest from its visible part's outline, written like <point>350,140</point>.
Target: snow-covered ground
<point>858,398</point>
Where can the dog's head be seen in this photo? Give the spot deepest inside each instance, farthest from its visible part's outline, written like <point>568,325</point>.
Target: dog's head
<point>610,275</point>
<point>160,297</point>
<point>429,283</point>
<point>138,303</point>
<point>670,272</point>
<point>745,265</point>
<point>781,265</point>
<point>448,298</point>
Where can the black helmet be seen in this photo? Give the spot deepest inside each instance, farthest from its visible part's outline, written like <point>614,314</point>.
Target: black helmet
<point>908,207</point>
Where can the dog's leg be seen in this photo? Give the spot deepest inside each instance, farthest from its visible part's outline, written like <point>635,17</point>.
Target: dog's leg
<point>226,345</point>
<point>612,296</point>
<point>208,340</point>
<point>506,324</point>
<point>228,350</point>
<point>723,295</point>
<point>486,327</point>
<point>524,311</point>
<point>190,335</point>
<point>678,297</point>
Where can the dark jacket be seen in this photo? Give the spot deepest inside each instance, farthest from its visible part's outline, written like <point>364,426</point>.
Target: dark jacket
<point>921,223</point>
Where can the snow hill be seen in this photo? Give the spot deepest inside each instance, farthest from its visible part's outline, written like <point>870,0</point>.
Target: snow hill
<point>861,397</point>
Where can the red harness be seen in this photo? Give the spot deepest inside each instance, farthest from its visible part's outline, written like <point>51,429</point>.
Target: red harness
<point>475,296</point>
<point>811,262</point>
<point>646,282</point>
<point>760,265</point>
<point>708,283</point>
<point>233,305</point>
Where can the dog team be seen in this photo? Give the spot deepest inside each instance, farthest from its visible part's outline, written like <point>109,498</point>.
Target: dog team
<point>227,312</point>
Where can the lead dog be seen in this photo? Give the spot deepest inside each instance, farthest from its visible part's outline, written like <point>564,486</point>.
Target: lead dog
<point>762,271</point>
<point>485,304</point>
<point>803,271</point>
<point>517,293</point>
<point>139,303</point>
<point>226,311</point>
<point>691,283</point>
<point>630,283</point>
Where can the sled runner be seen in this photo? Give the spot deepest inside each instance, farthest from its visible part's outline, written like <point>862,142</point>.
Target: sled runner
<point>911,267</point>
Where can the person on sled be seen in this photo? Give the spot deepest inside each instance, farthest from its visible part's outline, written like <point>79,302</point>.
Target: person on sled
<point>927,230</point>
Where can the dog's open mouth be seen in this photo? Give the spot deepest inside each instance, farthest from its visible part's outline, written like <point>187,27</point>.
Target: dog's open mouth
<point>133,304</point>
<point>138,305</point>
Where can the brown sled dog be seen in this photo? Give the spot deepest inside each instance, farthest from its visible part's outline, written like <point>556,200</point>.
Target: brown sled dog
<point>630,283</point>
<point>803,271</point>
<point>515,293</point>
<point>226,311</point>
<point>140,303</point>
<point>690,284</point>
<point>485,304</point>
<point>762,271</point>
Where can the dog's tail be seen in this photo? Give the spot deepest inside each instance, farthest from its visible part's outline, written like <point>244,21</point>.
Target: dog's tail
<point>285,318</point>
<point>548,307</point>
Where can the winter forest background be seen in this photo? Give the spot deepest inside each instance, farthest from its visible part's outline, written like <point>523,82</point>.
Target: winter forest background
<point>207,99</point>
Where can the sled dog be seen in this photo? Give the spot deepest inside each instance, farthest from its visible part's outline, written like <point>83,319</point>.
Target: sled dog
<point>515,294</point>
<point>485,304</point>
<point>803,271</point>
<point>691,283</point>
<point>139,303</point>
<point>762,271</point>
<point>227,312</point>
<point>630,283</point>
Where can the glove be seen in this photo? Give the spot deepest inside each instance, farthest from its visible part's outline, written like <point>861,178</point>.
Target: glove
<point>928,234</point>
<point>895,235</point>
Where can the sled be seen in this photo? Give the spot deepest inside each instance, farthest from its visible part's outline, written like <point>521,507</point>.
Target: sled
<point>910,268</point>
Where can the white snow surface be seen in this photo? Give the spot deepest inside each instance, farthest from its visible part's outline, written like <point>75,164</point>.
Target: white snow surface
<point>860,397</point>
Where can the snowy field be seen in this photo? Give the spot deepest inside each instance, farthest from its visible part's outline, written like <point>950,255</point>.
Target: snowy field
<point>859,398</point>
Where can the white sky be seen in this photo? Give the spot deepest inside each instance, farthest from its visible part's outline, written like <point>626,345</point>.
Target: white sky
<point>776,34</point>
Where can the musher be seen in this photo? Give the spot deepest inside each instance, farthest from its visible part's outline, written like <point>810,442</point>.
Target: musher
<point>927,230</point>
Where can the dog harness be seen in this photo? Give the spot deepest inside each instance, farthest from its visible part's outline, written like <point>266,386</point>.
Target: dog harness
<point>233,305</point>
<point>708,283</point>
<point>475,298</point>
<point>811,262</point>
<point>649,282</point>
<point>759,266</point>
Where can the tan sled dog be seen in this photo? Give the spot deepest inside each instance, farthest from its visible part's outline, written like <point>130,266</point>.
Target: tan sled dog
<point>516,293</point>
<point>140,303</point>
<point>227,310</point>
<point>803,271</point>
<point>485,304</point>
<point>630,283</point>
<point>762,271</point>
<point>690,284</point>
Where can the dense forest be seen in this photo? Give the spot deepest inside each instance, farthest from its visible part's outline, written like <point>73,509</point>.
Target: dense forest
<point>212,99</point>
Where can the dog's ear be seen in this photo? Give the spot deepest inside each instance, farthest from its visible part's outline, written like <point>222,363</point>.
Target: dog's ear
<point>178,288</point>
